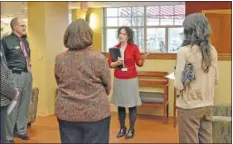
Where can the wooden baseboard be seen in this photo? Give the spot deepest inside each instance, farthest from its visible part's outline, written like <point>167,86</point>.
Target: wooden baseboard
<point>172,56</point>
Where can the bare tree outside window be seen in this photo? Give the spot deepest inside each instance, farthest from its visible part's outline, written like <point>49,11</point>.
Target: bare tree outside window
<point>157,29</point>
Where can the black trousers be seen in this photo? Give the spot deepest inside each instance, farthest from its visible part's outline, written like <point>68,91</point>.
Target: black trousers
<point>3,112</point>
<point>84,132</point>
<point>132,116</point>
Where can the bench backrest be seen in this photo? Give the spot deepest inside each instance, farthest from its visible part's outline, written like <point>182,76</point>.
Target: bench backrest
<point>152,79</point>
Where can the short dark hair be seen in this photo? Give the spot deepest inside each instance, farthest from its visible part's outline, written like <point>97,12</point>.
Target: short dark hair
<point>78,35</point>
<point>14,22</point>
<point>129,33</point>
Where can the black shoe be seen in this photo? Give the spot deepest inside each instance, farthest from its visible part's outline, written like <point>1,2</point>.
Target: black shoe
<point>130,134</point>
<point>22,136</point>
<point>10,142</point>
<point>122,132</point>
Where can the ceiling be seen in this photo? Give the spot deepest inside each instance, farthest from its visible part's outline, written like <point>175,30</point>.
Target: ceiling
<point>19,9</point>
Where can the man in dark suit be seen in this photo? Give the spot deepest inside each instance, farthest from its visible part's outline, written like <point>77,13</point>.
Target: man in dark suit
<point>8,93</point>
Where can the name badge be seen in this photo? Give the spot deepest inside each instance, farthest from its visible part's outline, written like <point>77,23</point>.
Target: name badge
<point>17,47</point>
<point>124,69</point>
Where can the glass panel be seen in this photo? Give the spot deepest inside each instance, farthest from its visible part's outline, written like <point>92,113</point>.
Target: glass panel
<point>111,36</point>
<point>137,21</point>
<point>179,10</point>
<point>125,21</point>
<point>166,15</point>
<point>156,40</point>
<point>111,12</point>
<point>166,20</point>
<point>179,20</point>
<point>112,21</point>
<point>152,15</point>
<point>179,14</point>
<point>152,11</point>
<point>174,39</point>
<point>152,21</point>
<point>139,38</point>
<point>125,12</point>
<point>138,11</point>
<point>166,10</point>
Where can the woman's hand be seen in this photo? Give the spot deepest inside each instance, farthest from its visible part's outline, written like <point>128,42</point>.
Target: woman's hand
<point>143,57</point>
<point>117,63</point>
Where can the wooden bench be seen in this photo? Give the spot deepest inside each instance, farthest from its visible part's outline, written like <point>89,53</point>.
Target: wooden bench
<point>154,79</point>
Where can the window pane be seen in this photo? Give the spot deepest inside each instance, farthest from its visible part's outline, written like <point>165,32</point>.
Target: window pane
<point>152,13</point>
<point>111,38</point>
<point>166,10</point>
<point>125,21</point>
<point>166,15</point>
<point>139,38</point>
<point>179,20</point>
<point>174,39</point>
<point>152,21</point>
<point>125,12</point>
<point>179,10</point>
<point>138,11</point>
<point>179,14</point>
<point>112,21</point>
<point>156,40</point>
<point>111,12</point>
<point>166,20</point>
<point>137,21</point>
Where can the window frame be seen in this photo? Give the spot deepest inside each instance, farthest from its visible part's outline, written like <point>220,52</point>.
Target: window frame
<point>145,27</point>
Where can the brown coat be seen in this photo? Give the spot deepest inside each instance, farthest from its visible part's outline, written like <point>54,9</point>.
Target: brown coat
<point>83,79</point>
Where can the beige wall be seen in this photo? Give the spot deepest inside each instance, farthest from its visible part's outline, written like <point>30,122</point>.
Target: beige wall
<point>97,13</point>
<point>46,25</point>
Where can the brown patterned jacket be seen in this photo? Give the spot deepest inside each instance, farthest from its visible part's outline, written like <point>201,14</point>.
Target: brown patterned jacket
<point>83,79</point>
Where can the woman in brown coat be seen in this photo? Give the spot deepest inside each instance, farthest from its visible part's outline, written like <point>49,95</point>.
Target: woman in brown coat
<point>83,78</point>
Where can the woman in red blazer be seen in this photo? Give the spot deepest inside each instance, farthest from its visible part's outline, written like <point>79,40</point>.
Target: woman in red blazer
<point>126,87</point>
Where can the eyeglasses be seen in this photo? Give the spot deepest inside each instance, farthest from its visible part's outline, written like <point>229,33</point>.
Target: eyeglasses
<point>22,25</point>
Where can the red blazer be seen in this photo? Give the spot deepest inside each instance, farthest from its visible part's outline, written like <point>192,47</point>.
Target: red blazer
<point>131,57</point>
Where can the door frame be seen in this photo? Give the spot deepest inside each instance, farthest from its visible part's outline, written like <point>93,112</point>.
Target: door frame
<point>222,56</point>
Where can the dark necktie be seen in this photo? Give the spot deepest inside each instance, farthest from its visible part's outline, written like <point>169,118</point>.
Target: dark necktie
<point>25,55</point>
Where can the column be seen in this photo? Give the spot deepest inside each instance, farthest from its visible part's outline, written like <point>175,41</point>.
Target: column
<point>47,22</point>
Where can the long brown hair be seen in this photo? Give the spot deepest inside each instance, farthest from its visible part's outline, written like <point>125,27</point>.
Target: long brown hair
<point>197,31</point>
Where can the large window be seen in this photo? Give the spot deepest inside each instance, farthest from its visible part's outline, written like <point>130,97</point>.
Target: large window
<point>157,29</point>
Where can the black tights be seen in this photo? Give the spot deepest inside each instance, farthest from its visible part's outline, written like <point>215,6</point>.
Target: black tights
<point>132,116</point>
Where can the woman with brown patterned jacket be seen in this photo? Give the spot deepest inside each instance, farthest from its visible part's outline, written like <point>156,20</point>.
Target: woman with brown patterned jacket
<point>83,78</point>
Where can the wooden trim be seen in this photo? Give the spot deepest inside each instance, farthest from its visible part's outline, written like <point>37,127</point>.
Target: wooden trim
<point>151,74</point>
<point>172,56</point>
<point>224,56</point>
<point>225,11</point>
<point>163,56</point>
